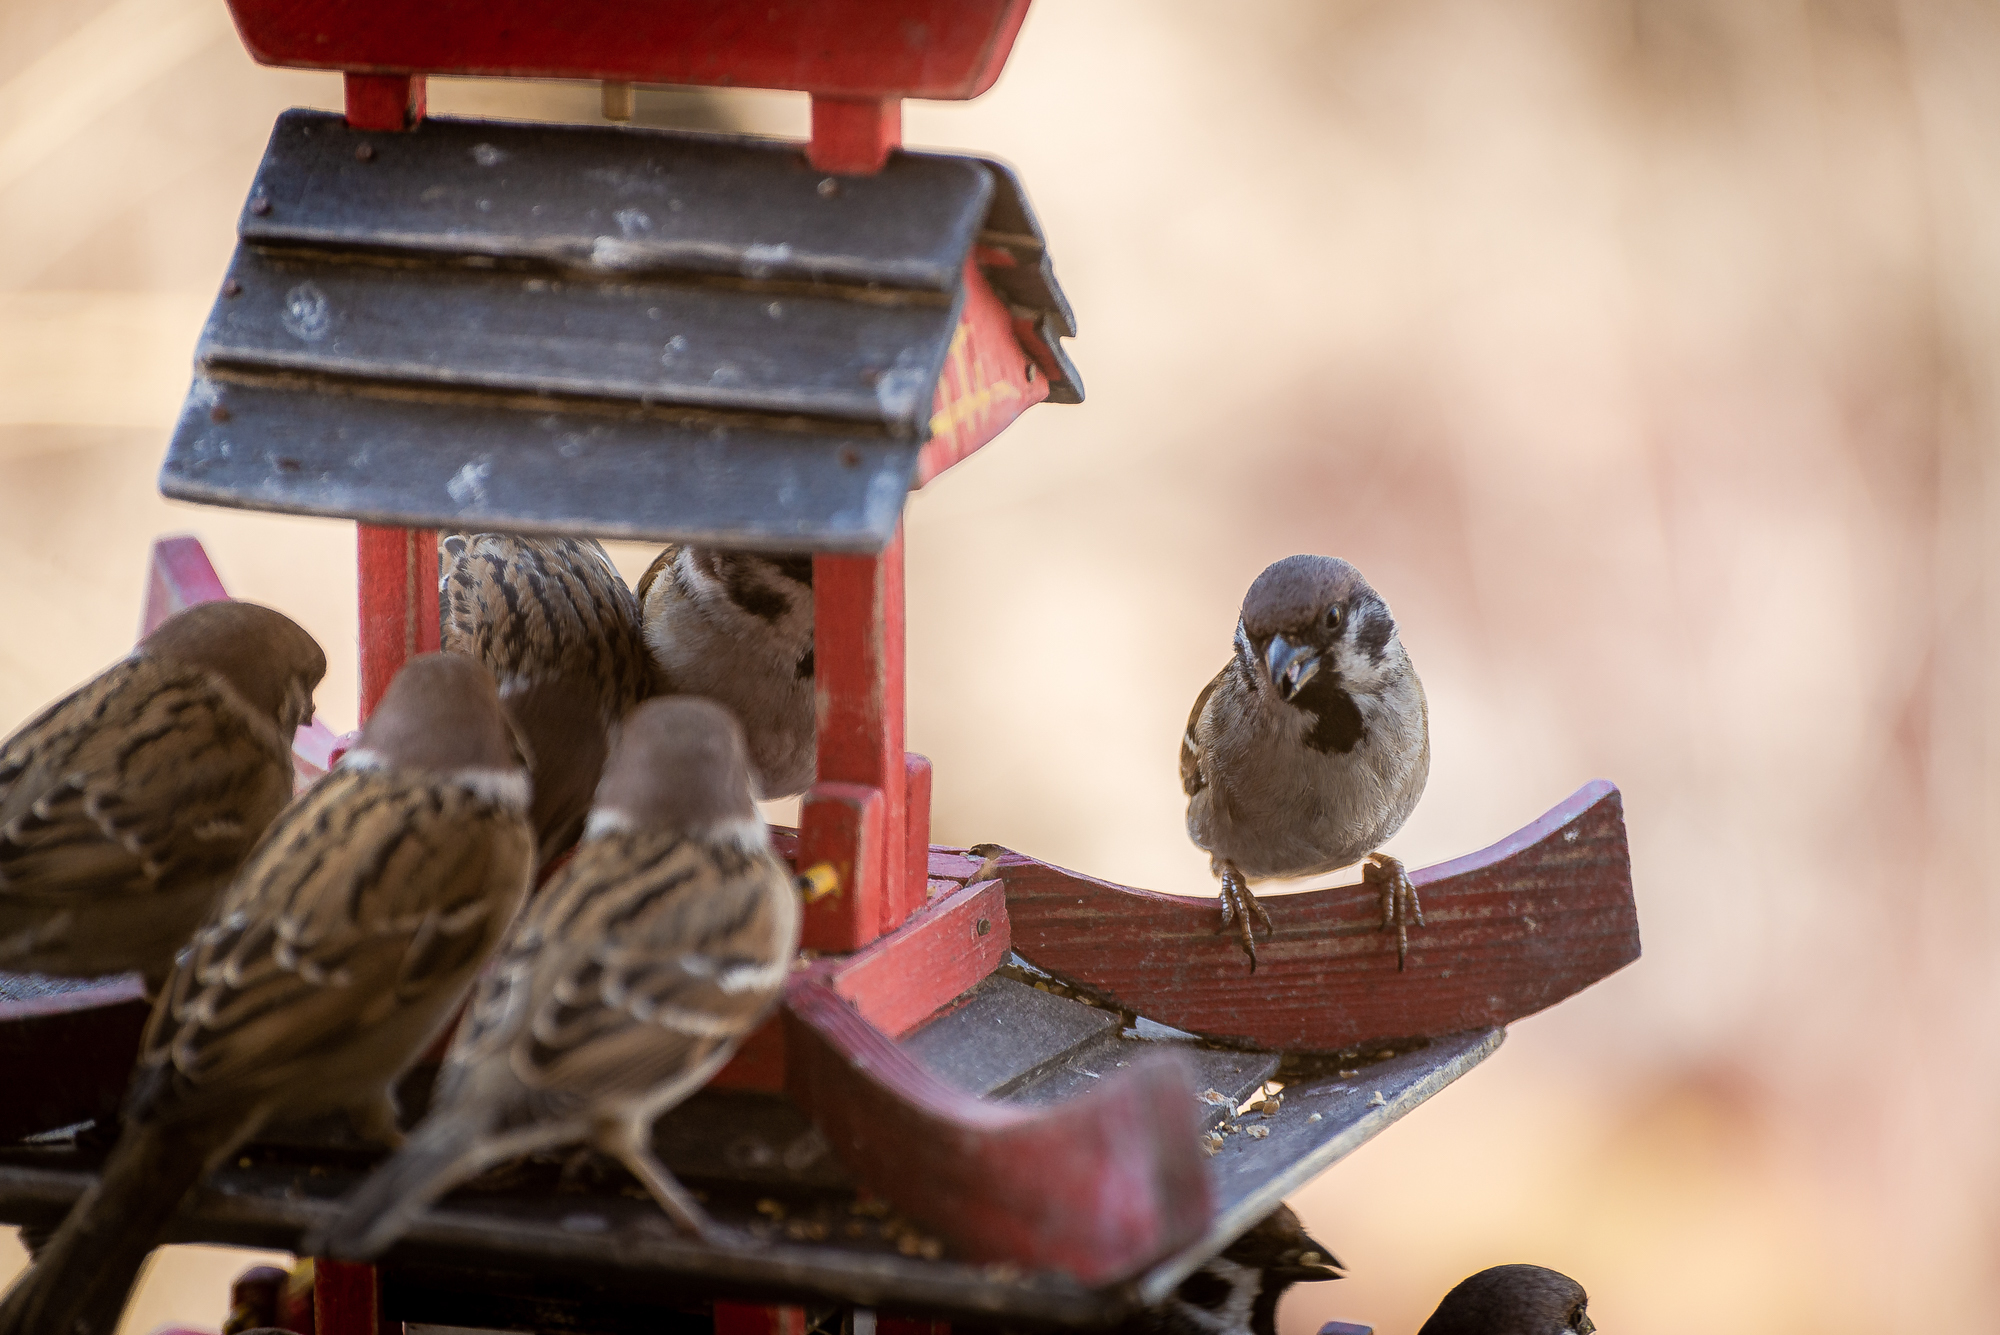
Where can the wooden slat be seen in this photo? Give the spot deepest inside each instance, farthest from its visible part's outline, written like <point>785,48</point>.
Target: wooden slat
<point>1512,929</point>
<point>900,981</point>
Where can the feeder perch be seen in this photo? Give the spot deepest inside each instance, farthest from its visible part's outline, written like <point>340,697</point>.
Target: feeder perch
<point>1003,1092</point>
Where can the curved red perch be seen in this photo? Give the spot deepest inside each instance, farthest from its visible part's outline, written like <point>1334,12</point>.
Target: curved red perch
<point>1098,1186</point>
<point>1512,930</point>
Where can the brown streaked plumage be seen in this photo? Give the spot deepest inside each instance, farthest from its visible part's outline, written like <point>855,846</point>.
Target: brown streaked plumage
<point>627,984</point>
<point>553,622</point>
<point>1513,1300</point>
<point>1236,1292</point>
<point>737,628</point>
<point>336,954</point>
<point>539,609</point>
<point>1312,745</point>
<point>128,804</point>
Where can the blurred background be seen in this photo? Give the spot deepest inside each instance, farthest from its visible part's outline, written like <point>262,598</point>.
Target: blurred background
<point>1641,352</point>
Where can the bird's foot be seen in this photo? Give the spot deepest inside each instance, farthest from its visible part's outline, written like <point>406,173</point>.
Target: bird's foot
<point>632,1147</point>
<point>1240,908</point>
<point>1400,907</point>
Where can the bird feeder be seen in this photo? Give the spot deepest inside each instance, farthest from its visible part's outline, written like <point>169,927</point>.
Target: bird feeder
<point>997,1093</point>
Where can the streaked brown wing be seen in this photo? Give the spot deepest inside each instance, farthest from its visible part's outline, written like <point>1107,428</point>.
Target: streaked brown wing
<point>149,772</point>
<point>658,951</point>
<point>1192,779</point>
<point>375,893</point>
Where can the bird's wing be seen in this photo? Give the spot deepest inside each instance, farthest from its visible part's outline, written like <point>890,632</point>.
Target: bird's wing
<point>1192,779</point>
<point>147,773</point>
<point>532,609</point>
<point>374,894</point>
<point>647,954</point>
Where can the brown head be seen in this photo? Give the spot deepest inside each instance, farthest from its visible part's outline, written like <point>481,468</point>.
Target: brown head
<point>441,713</point>
<point>1308,614</point>
<point>264,655</point>
<point>679,764</point>
<point>1513,1300</point>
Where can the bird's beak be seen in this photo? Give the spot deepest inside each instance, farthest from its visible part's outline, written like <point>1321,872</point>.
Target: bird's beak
<point>1585,1326</point>
<point>1291,666</point>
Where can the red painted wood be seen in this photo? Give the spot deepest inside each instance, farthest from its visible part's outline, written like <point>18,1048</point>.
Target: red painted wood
<point>915,883</point>
<point>1097,1186</point>
<point>385,101</point>
<point>987,380</point>
<point>908,1325</point>
<point>853,135</point>
<point>1510,930</point>
<point>843,824</point>
<point>759,1063</point>
<point>178,576</point>
<point>951,49</point>
<point>347,1300</point>
<point>858,658</point>
<point>399,603</point>
<point>900,981</point>
<point>755,1319</point>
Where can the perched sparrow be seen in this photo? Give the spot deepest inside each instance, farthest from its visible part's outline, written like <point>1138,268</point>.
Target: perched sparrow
<point>737,627</point>
<point>553,621</point>
<point>342,946</point>
<point>1311,747</point>
<point>1237,1291</point>
<point>1513,1300</point>
<point>626,985</point>
<point>126,806</point>
<point>537,609</point>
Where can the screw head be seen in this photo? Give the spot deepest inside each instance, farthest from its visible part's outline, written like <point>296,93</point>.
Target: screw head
<point>364,152</point>
<point>828,188</point>
<point>219,413</point>
<point>849,457</point>
<point>232,288</point>
<point>260,205</point>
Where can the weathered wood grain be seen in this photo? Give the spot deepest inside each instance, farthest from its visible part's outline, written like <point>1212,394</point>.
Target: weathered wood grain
<point>1511,930</point>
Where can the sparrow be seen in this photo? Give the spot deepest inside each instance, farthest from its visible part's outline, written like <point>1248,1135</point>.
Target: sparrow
<point>1513,1300</point>
<point>342,946</point>
<point>1311,746</point>
<point>1236,1292</point>
<point>554,623</point>
<point>737,627</point>
<point>127,805</point>
<point>631,979</point>
<point>534,609</point>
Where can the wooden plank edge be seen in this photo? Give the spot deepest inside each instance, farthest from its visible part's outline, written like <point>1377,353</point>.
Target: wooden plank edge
<point>1230,1223</point>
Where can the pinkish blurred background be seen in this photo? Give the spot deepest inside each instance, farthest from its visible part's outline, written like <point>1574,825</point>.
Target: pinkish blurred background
<point>1642,353</point>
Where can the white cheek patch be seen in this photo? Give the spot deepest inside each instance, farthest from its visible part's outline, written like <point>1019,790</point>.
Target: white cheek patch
<point>605,820</point>
<point>363,759</point>
<point>502,787</point>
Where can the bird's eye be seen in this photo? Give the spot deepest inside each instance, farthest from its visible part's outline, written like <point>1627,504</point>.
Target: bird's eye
<point>1333,617</point>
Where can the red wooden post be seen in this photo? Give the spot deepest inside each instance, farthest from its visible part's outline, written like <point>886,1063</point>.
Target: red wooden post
<point>347,1300</point>
<point>915,885</point>
<point>853,135</point>
<point>858,657</point>
<point>752,1319</point>
<point>399,603</point>
<point>385,101</point>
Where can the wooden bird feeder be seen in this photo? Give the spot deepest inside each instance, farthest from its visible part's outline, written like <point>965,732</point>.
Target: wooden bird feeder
<point>997,1094</point>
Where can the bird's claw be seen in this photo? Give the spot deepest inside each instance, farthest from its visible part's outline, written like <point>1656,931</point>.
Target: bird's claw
<point>1240,907</point>
<point>1401,908</point>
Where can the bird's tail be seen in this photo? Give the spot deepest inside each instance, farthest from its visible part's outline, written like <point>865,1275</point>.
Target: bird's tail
<point>79,1281</point>
<point>452,1146</point>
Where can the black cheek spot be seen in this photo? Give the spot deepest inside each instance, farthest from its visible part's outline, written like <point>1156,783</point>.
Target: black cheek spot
<point>798,569</point>
<point>1372,631</point>
<point>1205,1290</point>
